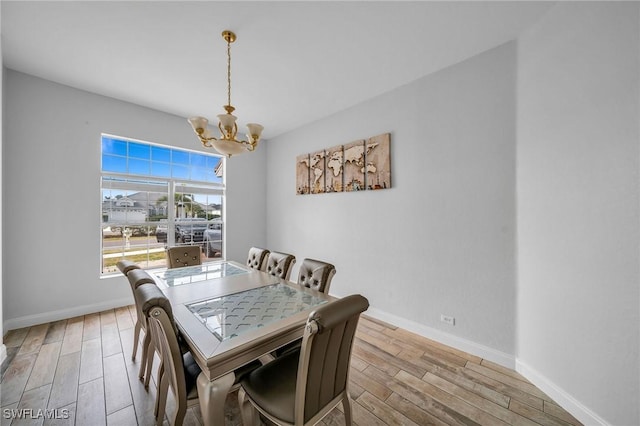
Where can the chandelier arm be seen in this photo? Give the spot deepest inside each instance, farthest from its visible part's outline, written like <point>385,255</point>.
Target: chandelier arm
<point>234,131</point>
<point>207,142</point>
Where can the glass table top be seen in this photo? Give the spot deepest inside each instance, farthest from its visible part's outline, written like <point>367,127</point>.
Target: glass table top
<point>229,316</point>
<point>191,274</point>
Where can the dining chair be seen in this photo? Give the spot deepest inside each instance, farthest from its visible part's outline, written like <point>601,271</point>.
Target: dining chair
<point>301,387</point>
<point>316,275</point>
<point>256,258</point>
<point>126,265</point>
<point>178,370</point>
<point>180,256</point>
<point>137,278</point>
<point>280,264</point>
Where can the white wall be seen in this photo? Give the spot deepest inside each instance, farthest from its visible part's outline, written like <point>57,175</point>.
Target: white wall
<point>578,209</point>
<point>51,199</point>
<point>3,349</point>
<point>246,199</point>
<point>442,240</point>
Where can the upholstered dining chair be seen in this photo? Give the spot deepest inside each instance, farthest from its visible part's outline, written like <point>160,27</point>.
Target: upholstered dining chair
<point>180,256</point>
<point>256,258</point>
<point>126,265</point>
<point>280,264</point>
<point>178,370</point>
<point>316,274</point>
<point>301,387</point>
<point>137,278</point>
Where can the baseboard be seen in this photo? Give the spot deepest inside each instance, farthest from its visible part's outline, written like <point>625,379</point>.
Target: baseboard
<point>29,320</point>
<point>471,347</point>
<point>559,395</point>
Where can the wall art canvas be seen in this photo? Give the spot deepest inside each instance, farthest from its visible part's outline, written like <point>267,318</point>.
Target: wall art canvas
<point>335,169</point>
<point>302,174</point>
<point>378,168</point>
<point>354,161</point>
<point>317,172</point>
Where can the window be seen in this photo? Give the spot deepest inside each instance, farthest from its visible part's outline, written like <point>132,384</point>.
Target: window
<point>155,196</point>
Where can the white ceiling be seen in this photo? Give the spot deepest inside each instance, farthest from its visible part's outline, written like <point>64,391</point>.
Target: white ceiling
<point>293,62</point>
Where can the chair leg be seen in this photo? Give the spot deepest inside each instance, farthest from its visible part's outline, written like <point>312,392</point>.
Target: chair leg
<point>346,404</point>
<point>181,411</point>
<point>145,350</point>
<point>136,336</point>
<point>151,351</point>
<point>161,401</point>
<point>159,378</point>
<point>247,410</point>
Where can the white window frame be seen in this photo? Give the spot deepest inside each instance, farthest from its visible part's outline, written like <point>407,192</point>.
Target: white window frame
<point>143,183</point>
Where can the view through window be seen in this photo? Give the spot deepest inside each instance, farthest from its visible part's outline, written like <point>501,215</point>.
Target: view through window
<point>155,196</point>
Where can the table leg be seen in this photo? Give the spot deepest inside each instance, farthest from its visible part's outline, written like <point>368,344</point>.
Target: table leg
<point>212,395</point>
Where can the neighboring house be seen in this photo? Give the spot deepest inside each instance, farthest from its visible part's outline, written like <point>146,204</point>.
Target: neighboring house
<point>123,209</point>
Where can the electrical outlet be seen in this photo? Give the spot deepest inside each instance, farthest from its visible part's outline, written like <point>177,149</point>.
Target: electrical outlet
<point>447,319</point>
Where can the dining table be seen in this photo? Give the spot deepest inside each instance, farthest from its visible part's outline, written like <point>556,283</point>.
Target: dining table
<point>230,315</point>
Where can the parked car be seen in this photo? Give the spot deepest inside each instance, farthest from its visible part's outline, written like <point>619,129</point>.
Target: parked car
<point>161,231</point>
<point>212,240</point>
<point>111,231</point>
<point>190,230</point>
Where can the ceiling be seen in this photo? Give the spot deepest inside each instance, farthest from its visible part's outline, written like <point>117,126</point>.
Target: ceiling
<point>293,62</point>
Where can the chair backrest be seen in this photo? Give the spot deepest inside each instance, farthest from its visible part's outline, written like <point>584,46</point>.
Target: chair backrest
<point>137,277</point>
<point>316,275</point>
<point>149,296</point>
<point>323,369</point>
<point>125,266</point>
<point>180,256</point>
<point>256,258</point>
<point>157,309</point>
<point>142,294</point>
<point>280,264</point>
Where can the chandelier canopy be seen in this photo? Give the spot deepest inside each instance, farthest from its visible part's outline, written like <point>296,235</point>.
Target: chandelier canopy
<point>227,144</point>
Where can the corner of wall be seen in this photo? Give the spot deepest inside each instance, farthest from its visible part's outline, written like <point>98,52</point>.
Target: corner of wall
<point>559,395</point>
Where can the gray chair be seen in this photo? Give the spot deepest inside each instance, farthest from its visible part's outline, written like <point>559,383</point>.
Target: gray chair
<point>280,264</point>
<point>125,266</point>
<point>256,258</point>
<point>178,370</point>
<point>137,278</point>
<point>301,387</point>
<point>181,256</point>
<point>316,274</point>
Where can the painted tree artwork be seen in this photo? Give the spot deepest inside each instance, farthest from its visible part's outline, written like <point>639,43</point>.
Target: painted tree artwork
<point>378,162</point>
<point>302,174</point>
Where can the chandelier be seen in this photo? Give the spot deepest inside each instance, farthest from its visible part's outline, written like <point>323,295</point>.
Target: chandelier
<point>227,144</point>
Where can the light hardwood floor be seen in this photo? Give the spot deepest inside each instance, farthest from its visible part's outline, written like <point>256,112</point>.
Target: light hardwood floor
<point>82,367</point>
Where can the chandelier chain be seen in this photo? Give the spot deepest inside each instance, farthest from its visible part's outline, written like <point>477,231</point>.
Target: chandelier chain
<point>228,72</point>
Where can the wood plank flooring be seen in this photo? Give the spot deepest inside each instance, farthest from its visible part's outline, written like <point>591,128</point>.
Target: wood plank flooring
<point>80,371</point>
